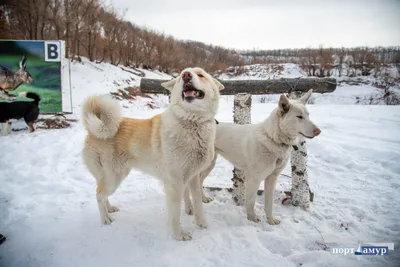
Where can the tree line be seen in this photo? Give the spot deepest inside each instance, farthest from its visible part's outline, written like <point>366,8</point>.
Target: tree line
<point>98,32</point>
<point>323,62</point>
<point>101,34</point>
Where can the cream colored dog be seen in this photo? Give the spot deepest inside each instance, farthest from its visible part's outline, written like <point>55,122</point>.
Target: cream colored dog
<point>262,150</point>
<point>174,146</point>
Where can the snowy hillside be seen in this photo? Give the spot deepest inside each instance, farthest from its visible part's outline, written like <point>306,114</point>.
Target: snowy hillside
<point>49,213</point>
<point>88,78</point>
<point>350,90</point>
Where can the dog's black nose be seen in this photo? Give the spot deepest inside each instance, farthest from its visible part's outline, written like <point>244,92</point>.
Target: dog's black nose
<point>186,77</point>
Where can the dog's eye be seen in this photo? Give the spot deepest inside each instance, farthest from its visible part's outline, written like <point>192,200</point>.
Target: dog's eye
<point>200,75</point>
<point>300,117</point>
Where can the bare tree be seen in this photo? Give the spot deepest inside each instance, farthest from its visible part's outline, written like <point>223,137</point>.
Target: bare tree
<point>386,81</point>
<point>397,61</point>
<point>91,30</point>
<point>341,55</point>
<point>56,19</point>
<point>4,26</point>
<point>95,30</point>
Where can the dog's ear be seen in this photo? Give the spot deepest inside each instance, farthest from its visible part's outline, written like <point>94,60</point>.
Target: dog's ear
<point>169,85</point>
<point>220,86</point>
<point>284,104</point>
<point>304,99</point>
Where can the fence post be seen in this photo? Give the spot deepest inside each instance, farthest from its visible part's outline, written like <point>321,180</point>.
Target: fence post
<point>300,193</point>
<point>241,115</point>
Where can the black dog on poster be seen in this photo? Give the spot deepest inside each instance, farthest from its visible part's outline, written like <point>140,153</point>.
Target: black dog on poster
<point>28,110</point>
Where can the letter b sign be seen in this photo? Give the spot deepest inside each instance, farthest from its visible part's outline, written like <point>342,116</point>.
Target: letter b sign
<point>52,51</point>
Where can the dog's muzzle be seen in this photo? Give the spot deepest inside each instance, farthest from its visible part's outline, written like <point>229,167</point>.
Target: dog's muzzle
<point>189,92</point>
<point>308,137</point>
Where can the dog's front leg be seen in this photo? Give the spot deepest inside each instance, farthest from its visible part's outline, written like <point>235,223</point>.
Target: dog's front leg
<point>269,190</point>
<point>252,184</point>
<point>4,129</point>
<point>196,192</point>
<point>203,175</point>
<point>173,193</point>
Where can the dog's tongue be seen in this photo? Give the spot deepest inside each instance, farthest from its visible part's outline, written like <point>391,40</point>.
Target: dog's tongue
<point>189,93</point>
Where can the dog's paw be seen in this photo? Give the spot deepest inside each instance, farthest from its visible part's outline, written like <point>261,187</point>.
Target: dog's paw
<point>107,219</point>
<point>253,218</point>
<point>112,209</point>
<point>183,236</point>
<point>306,206</point>
<point>273,221</point>
<point>207,199</point>
<point>189,209</point>
<point>201,223</point>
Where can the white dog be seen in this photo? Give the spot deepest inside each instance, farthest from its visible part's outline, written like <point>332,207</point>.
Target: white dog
<point>262,150</point>
<point>174,146</point>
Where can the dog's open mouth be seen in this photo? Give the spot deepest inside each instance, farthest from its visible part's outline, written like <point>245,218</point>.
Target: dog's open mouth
<point>189,93</point>
<point>309,137</point>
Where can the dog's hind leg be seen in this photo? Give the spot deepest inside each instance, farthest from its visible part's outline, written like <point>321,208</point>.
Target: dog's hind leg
<point>31,127</point>
<point>102,193</point>
<point>188,201</point>
<point>106,188</point>
<point>107,183</point>
<point>102,199</point>
<point>111,208</point>
<point>30,119</point>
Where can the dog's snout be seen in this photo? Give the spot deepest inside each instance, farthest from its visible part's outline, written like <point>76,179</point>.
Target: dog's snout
<point>316,131</point>
<point>186,76</point>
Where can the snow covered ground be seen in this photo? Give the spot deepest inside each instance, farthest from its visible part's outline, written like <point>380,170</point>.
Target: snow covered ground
<point>49,214</point>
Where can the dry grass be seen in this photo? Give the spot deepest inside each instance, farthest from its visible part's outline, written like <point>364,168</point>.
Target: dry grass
<point>55,122</point>
<point>129,93</point>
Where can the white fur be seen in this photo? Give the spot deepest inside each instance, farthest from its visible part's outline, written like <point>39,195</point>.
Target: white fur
<point>177,153</point>
<point>102,123</point>
<point>262,150</point>
<point>5,129</point>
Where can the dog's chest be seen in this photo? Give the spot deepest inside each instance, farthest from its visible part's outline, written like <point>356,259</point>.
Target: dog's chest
<point>196,140</point>
<point>281,160</point>
<point>192,147</point>
<point>277,157</point>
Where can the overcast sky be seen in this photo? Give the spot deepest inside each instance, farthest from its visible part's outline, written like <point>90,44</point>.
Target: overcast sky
<point>268,24</point>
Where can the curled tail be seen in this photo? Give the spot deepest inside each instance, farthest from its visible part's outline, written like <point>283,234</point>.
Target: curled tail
<point>101,116</point>
<point>32,95</point>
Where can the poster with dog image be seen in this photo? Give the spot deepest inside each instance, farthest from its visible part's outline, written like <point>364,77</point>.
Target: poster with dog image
<point>31,66</point>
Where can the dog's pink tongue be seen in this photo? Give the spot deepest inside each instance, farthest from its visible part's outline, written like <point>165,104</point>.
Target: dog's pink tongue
<point>189,93</point>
